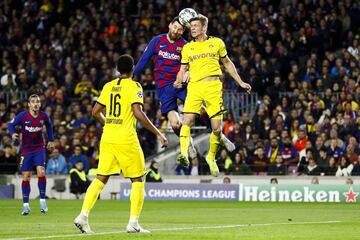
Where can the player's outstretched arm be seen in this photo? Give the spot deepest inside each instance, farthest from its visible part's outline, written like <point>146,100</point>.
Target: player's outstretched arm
<point>97,113</point>
<point>180,76</point>
<point>146,123</point>
<point>230,67</point>
<point>146,56</point>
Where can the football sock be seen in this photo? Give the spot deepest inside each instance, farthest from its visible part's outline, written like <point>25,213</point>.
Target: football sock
<point>214,144</point>
<point>91,196</point>
<point>184,139</point>
<point>136,200</point>
<point>42,187</point>
<point>25,186</point>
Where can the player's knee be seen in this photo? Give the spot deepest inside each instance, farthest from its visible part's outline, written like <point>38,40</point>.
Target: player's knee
<point>102,178</point>
<point>41,173</point>
<point>176,126</point>
<point>138,179</point>
<point>26,178</point>
<point>217,131</point>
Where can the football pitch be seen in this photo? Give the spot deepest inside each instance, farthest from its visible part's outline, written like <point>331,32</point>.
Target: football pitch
<point>185,220</point>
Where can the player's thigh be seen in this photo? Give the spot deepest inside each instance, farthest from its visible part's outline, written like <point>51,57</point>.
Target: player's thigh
<point>181,93</point>
<point>213,99</point>
<point>27,162</point>
<point>108,163</point>
<point>132,161</point>
<point>168,99</point>
<point>194,98</point>
<point>39,158</point>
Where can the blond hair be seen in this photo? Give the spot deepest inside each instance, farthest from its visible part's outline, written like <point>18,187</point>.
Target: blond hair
<point>204,20</point>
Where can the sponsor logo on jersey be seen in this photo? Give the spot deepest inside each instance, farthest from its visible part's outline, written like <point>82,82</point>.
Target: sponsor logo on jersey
<point>33,129</point>
<point>167,55</point>
<point>203,55</point>
<point>116,89</point>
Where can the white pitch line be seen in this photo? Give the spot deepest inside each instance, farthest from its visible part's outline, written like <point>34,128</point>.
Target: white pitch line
<point>178,228</point>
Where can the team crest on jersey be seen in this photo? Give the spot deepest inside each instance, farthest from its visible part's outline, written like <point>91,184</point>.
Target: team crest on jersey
<point>42,122</point>
<point>140,94</point>
<point>211,45</point>
<point>178,49</point>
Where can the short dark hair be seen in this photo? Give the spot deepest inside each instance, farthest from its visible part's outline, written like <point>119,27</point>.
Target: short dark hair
<point>125,64</point>
<point>33,96</point>
<point>176,19</point>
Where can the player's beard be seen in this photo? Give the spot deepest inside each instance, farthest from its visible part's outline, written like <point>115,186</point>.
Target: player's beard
<point>173,36</point>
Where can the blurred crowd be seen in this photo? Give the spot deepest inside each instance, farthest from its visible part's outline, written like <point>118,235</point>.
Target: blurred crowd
<point>301,57</point>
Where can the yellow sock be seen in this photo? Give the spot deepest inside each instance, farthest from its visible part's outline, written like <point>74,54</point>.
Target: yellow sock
<point>184,139</point>
<point>136,199</point>
<point>91,196</point>
<point>214,144</point>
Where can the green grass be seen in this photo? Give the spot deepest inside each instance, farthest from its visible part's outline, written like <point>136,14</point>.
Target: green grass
<point>162,216</point>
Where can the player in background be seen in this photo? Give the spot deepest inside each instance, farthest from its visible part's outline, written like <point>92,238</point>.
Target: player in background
<point>166,49</point>
<point>120,150</point>
<point>33,148</point>
<point>201,56</point>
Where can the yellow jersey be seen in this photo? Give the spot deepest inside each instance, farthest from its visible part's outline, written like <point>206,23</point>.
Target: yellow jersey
<point>117,97</point>
<point>203,58</point>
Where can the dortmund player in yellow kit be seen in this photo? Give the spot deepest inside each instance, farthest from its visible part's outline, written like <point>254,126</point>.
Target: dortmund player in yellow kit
<point>201,56</point>
<point>120,149</point>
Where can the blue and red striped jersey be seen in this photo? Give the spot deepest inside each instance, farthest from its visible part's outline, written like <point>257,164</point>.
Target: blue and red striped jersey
<point>32,130</point>
<point>167,58</point>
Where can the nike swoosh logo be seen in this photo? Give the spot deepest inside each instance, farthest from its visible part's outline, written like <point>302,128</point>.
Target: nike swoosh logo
<point>136,229</point>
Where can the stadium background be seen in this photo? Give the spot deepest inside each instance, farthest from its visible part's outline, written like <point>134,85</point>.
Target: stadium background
<point>301,58</point>
<point>294,54</point>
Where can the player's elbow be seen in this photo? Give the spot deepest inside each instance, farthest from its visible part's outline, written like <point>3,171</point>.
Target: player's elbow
<point>95,113</point>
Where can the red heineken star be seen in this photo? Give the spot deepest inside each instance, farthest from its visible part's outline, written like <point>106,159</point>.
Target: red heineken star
<point>351,195</point>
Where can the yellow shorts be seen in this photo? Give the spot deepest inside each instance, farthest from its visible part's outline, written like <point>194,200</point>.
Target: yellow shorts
<point>125,158</point>
<point>207,92</point>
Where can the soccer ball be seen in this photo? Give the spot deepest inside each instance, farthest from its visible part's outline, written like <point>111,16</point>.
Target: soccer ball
<point>185,15</point>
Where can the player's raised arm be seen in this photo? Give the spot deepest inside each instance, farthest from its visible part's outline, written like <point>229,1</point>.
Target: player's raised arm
<point>146,123</point>
<point>145,57</point>
<point>97,113</point>
<point>230,67</point>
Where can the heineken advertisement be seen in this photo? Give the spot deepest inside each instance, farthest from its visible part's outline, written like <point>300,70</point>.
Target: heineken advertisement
<point>298,193</point>
<point>247,192</point>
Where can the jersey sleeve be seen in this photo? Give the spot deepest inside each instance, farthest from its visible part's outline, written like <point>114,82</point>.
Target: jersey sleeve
<point>222,49</point>
<point>136,93</point>
<point>101,99</point>
<point>16,121</point>
<point>185,55</point>
<point>146,56</point>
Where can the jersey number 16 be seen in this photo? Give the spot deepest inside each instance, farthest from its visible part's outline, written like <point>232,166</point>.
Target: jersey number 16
<point>115,107</point>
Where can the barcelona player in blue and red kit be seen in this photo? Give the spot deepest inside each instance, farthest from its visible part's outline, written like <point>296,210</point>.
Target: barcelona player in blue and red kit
<point>166,49</point>
<point>33,148</point>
